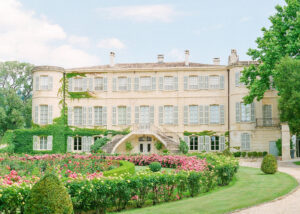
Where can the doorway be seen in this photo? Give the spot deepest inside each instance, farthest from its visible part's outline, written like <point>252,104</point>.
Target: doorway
<point>273,148</point>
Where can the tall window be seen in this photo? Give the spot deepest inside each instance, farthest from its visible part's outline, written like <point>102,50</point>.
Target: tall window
<point>267,115</point>
<point>141,148</point>
<point>78,84</point>
<point>214,82</point>
<point>77,143</point>
<point>43,143</point>
<point>78,116</point>
<point>214,114</point>
<point>144,114</point>
<point>193,82</point>
<point>215,143</point>
<point>245,141</point>
<point>168,114</point>
<point>194,143</point>
<point>148,147</point>
<point>193,114</point>
<point>245,112</point>
<point>98,115</point>
<point>98,84</point>
<point>169,83</point>
<point>44,114</point>
<point>145,83</point>
<point>44,82</point>
<point>122,115</point>
<point>122,83</point>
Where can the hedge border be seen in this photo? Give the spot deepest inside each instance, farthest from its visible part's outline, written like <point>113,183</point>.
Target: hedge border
<point>125,167</point>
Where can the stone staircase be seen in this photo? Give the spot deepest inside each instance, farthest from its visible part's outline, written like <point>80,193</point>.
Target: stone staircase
<point>172,144</point>
<point>110,145</point>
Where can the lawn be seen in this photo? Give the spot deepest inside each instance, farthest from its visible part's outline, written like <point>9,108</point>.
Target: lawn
<point>250,187</point>
<point>297,162</point>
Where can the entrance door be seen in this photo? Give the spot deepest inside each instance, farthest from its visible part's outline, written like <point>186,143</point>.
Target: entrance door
<point>298,147</point>
<point>272,148</point>
<point>144,116</point>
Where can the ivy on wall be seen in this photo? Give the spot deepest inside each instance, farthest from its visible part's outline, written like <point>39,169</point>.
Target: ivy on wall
<point>80,95</point>
<point>203,133</point>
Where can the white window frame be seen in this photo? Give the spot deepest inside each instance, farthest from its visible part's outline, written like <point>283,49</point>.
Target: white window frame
<point>168,114</point>
<point>245,112</point>
<point>44,82</point>
<point>193,82</point>
<point>44,114</point>
<point>78,116</point>
<point>98,115</point>
<point>215,143</point>
<point>145,83</point>
<point>78,84</point>
<point>77,144</point>
<point>122,115</point>
<point>99,83</point>
<point>122,84</point>
<point>43,143</point>
<point>214,82</point>
<point>193,116</point>
<point>194,144</point>
<point>214,117</point>
<point>169,83</point>
<point>245,141</point>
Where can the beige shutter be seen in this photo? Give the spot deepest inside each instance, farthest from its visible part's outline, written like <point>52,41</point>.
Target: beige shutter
<point>114,115</point>
<point>128,84</point>
<point>104,116</point>
<point>70,144</point>
<point>201,143</point>
<point>114,84</point>
<point>206,114</point>
<point>186,115</point>
<point>35,143</point>
<point>70,84</point>
<point>201,114</point>
<point>50,83</point>
<point>161,115</point>
<point>161,83</point>
<point>207,143</point>
<point>205,82</point>
<point>153,82</point>
<point>253,112</point>
<point>50,117</point>
<point>152,114</point>
<point>70,116</point>
<point>136,83</point>
<point>49,142</point>
<point>222,114</point>
<point>237,112</point>
<point>83,116</point>
<point>128,115</point>
<point>222,143</point>
<point>185,81</point>
<point>37,83</point>
<point>175,113</point>
<point>237,78</point>
<point>221,84</point>
<point>90,116</point>
<point>137,114</point>
<point>105,84</point>
<point>36,114</point>
<point>175,87</point>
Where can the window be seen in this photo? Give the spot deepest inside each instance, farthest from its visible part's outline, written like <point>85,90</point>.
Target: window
<point>214,114</point>
<point>43,143</point>
<point>77,143</point>
<point>148,147</point>
<point>44,82</point>
<point>141,148</point>
<point>78,84</point>
<point>145,83</point>
<point>214,82</point>
<point>215,143</point>
<point>193,82</point>
<point>194,143</point>
<point>193,114</point>
<point>122,115</point>
<point>169,83</point>
<point>168,114</point>
<point>245,141</point>
<point>78,116</point>
<point>98,115</point>
<point>122,83</point>
<point>98,84</point>
<point>44,114</point>
<point>144,114</point>
<point>245,112</point>
<point>267,115</point>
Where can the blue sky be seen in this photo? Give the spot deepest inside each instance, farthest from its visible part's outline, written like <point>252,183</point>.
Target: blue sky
<point>73,33</point>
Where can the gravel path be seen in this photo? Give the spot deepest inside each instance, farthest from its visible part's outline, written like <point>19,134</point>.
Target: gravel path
<point>289,204</point>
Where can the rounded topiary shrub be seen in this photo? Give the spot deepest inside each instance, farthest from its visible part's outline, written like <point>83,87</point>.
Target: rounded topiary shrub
<point>155,166</point>
<point>48,196</point>
<point>269,164</point>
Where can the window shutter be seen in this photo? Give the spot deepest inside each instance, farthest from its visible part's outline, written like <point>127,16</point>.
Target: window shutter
<point>221,82</point>
<point>175,117</point>
<point>83,116</point>
<point>201,143</point>
<point>50,117</point>
<point>114,115</point>
<point>128,84</point>
<point>70,116</point>
<point>36,114</point>
<point>185,115</point>
<point>90,142</point>
<point>91,85</point>
<point>253,112</point>
<point>49,142</point>
<point>50,83</point>
<point>237,78</point>
<point>207,143</point>
<point>70,84</point>
<point>161,83</point>
<point>201,84</point>
<point>136,83</point>
<point>152,114</point>
<point>185,81</point>
<point>90,116</point>
<point>176,83</point>
<point>237,112</point>
<point>105,84</point>
<point>206,114</point>
<point>206,82</point>
<point>69,144</point>
<point>161,115</point>
<point>222,114</point>
<point>114,84</point>
<point>201,114</point>
<point>222,143</point>
<point>104,116</point>
<point>84,84</point>
<point>35,143</point>
<point>153,81</point>
<point>37,83</point>
<point>84,139</point>
<point>187,140</point>
<point>247,146</point>
<point>137,114</point>
<point>128,115</point>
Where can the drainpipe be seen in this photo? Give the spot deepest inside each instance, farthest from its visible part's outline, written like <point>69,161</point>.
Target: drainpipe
<point>228,105</point>
<point>64,98</point>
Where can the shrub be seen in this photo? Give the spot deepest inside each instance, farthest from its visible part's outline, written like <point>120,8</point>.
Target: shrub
<point>265,153</point>
<point>244,154</point>
<point>129,146</point>
<point>269,164</point>
<point>237,154</point>
<point>99,143</point>
<point>254,154</point>
<point>249,154</point>
<point>279,146</point>
<point>165,151</point>
<point>125,167</point>
<point>183,147</point>
<point>49,196</point>
<point>155,166</point>
<point>158,146</point>
<point>259,154</point>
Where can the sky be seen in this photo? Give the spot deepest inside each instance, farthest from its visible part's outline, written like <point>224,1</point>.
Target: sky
<point>75,33</point>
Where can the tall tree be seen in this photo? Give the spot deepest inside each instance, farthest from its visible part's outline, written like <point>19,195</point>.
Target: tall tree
<point>281,39</point>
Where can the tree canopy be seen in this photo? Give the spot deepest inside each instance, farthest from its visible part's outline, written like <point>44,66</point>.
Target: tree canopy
<point>281,39</point>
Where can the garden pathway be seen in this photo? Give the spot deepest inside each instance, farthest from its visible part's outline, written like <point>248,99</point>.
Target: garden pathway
<point>288,204</point>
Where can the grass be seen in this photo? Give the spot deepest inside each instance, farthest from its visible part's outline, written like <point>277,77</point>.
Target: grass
<point>142,168</point>
<point>250,187</point>
<point>297,162</point>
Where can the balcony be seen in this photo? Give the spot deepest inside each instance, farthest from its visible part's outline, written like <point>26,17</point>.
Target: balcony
<point>267,122</point>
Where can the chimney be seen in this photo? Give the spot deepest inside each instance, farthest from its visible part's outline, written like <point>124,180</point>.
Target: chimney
<point>216,61</point>
<point>112,59</point>
<point>233,58</point>
<point>160,58</point>
<point>187,55</point>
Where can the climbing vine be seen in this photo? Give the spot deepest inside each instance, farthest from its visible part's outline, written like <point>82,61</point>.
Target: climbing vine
<point>203,133</point>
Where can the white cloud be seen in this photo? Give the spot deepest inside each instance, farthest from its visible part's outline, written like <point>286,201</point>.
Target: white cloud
<point>81,41</point>
<point>27,37</point>
<point>111,43</point>
<point>175,54</point>
<point>245,19</point>
<point>140,13</point>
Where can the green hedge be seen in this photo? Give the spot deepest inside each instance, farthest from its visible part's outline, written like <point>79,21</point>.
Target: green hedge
<point>125,167</point>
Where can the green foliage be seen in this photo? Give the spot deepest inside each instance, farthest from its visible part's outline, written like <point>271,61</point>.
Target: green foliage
<point>279,40</point>
<point>49,196</point>
<point>237,154</point>
<point>203,133</point>
<point>279,146</point>
<point>128,146</point>
<point>265,153</point>
<point>158,146</point>
<point>165,151</point>
<point>244,154</point>
<point>155,166</point>
<point>269,164</point>
<point>98,144</point>
<point>183,147</point>
<point>80,95</point>
<point>125,167</point>
<point>75,74</point>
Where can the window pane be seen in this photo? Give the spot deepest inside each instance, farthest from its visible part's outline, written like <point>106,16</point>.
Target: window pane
<point>145,83</point>
<point>193,82</point>
<point>78,115</point>
<point>122,115</point>
<point>44,114</point>
<point>149,147</point>
<point>141,148</point>
<point>98,84</point>
<point>193,114</point>
<point>168,114</point>
<point>214,114</point>
<point>214,82</point>
<point>144,115</point>
<point>98,115</point>
<point>44,82</point>
<point>78,84</point>
<point>194,143</point>
<point>245,112</point>
<point>168,83</point>
<point>122,83</point>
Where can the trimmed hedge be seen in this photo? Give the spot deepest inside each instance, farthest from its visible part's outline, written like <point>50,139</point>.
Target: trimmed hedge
<point>125,167</point>
<point>269,164</point>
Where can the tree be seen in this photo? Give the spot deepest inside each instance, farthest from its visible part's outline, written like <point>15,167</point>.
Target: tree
<point>280,40</point>
<point>287,80</point>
